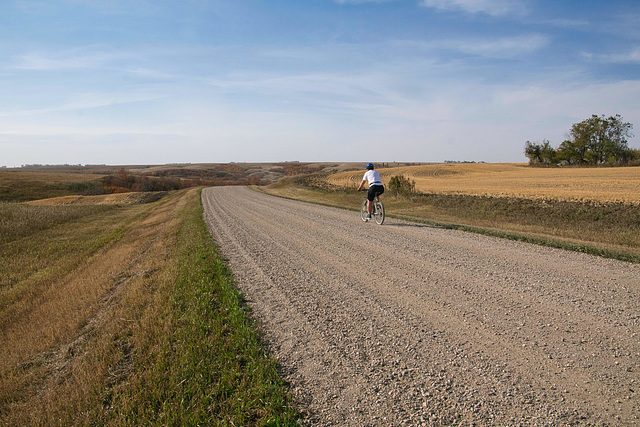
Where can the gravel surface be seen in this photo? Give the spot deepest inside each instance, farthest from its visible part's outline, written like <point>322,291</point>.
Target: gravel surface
<point>407,324</point>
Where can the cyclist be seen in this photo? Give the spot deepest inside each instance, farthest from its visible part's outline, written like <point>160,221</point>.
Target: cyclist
<point>375,187</point>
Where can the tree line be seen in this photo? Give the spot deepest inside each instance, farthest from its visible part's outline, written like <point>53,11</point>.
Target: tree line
<point>598,140</point>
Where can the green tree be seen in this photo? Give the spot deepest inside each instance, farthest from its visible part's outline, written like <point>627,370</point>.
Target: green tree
<point>572,152</point>
<point>541,153</point>
<point>548,154</point>
<point>599,140</point>
<point>532,151</point>
<point>596,140</point>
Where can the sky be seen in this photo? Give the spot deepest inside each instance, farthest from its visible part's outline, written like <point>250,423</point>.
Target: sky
<point>205,81</point>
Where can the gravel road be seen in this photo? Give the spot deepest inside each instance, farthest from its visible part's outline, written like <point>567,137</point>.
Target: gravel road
<point>407,324</point>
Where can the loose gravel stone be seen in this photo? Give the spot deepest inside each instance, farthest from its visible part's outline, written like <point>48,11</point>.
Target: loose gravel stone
<point>407,324</point>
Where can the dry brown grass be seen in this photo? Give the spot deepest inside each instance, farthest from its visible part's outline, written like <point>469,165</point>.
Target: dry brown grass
<point>515,180</point>
<point>126,315</point>
<point>65,330</point>
<point>22,186</point>
<point>13,177</point>
<point>131,198</point>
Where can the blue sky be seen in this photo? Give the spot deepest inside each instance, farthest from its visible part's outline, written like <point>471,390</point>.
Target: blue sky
<point>154,81</point>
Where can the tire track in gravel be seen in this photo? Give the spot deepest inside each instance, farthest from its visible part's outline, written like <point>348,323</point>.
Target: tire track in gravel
<point>452,327</point>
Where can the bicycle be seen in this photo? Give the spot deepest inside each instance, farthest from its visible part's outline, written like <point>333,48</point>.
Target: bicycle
<point>377,212</point>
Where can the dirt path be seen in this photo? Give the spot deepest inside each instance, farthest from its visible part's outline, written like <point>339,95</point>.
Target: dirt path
<point>453,328</point>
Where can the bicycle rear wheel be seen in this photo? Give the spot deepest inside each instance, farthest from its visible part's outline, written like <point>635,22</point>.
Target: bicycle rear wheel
<point>379,213</point>
<point>363,211</point>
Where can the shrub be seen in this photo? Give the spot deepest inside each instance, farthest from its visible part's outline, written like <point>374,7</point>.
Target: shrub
<point>400,185</point>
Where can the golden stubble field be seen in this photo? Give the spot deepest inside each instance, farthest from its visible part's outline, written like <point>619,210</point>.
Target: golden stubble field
<point>514,180</point>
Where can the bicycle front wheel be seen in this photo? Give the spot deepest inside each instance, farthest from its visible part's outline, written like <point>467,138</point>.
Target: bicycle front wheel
<point>363,211</point>
<point>379,213</point>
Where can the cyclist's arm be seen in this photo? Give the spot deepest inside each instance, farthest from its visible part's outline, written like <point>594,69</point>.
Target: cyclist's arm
<point>361,184</point>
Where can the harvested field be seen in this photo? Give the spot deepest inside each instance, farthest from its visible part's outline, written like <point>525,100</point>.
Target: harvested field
<point>514,180</point>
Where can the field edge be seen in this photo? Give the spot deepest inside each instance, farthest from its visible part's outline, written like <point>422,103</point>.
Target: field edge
<point>328,198</point>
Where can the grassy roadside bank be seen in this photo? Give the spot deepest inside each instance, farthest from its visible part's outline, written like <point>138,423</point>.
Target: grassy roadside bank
<point>211,369</point>
<point>610,230</point>
<point>129,317</point>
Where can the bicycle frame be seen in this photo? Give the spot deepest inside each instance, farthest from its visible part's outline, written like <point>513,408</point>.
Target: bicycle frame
<point>377,211</point>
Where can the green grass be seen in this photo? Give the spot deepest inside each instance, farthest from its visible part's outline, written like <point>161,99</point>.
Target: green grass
<point>209,368</point>
<point>177,345</point>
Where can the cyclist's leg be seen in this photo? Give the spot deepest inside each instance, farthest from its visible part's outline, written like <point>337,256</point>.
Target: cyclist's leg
<point>379,191</point>
<point>371,194</point>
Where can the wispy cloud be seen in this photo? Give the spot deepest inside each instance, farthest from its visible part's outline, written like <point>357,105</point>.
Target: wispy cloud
<point>502,47</point>
<point>84,101</point>
<point>497,47</point>
<point>104,7</point>
<point>630,57</point>
<point>361,1</point>
<point>149,73</point>
<point>67,60</point>
<point>143,63</point>
<point>489,7</point>
<point>567,23</point>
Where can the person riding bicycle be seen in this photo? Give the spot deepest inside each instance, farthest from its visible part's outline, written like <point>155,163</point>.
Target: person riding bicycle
<point>375,187</point>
